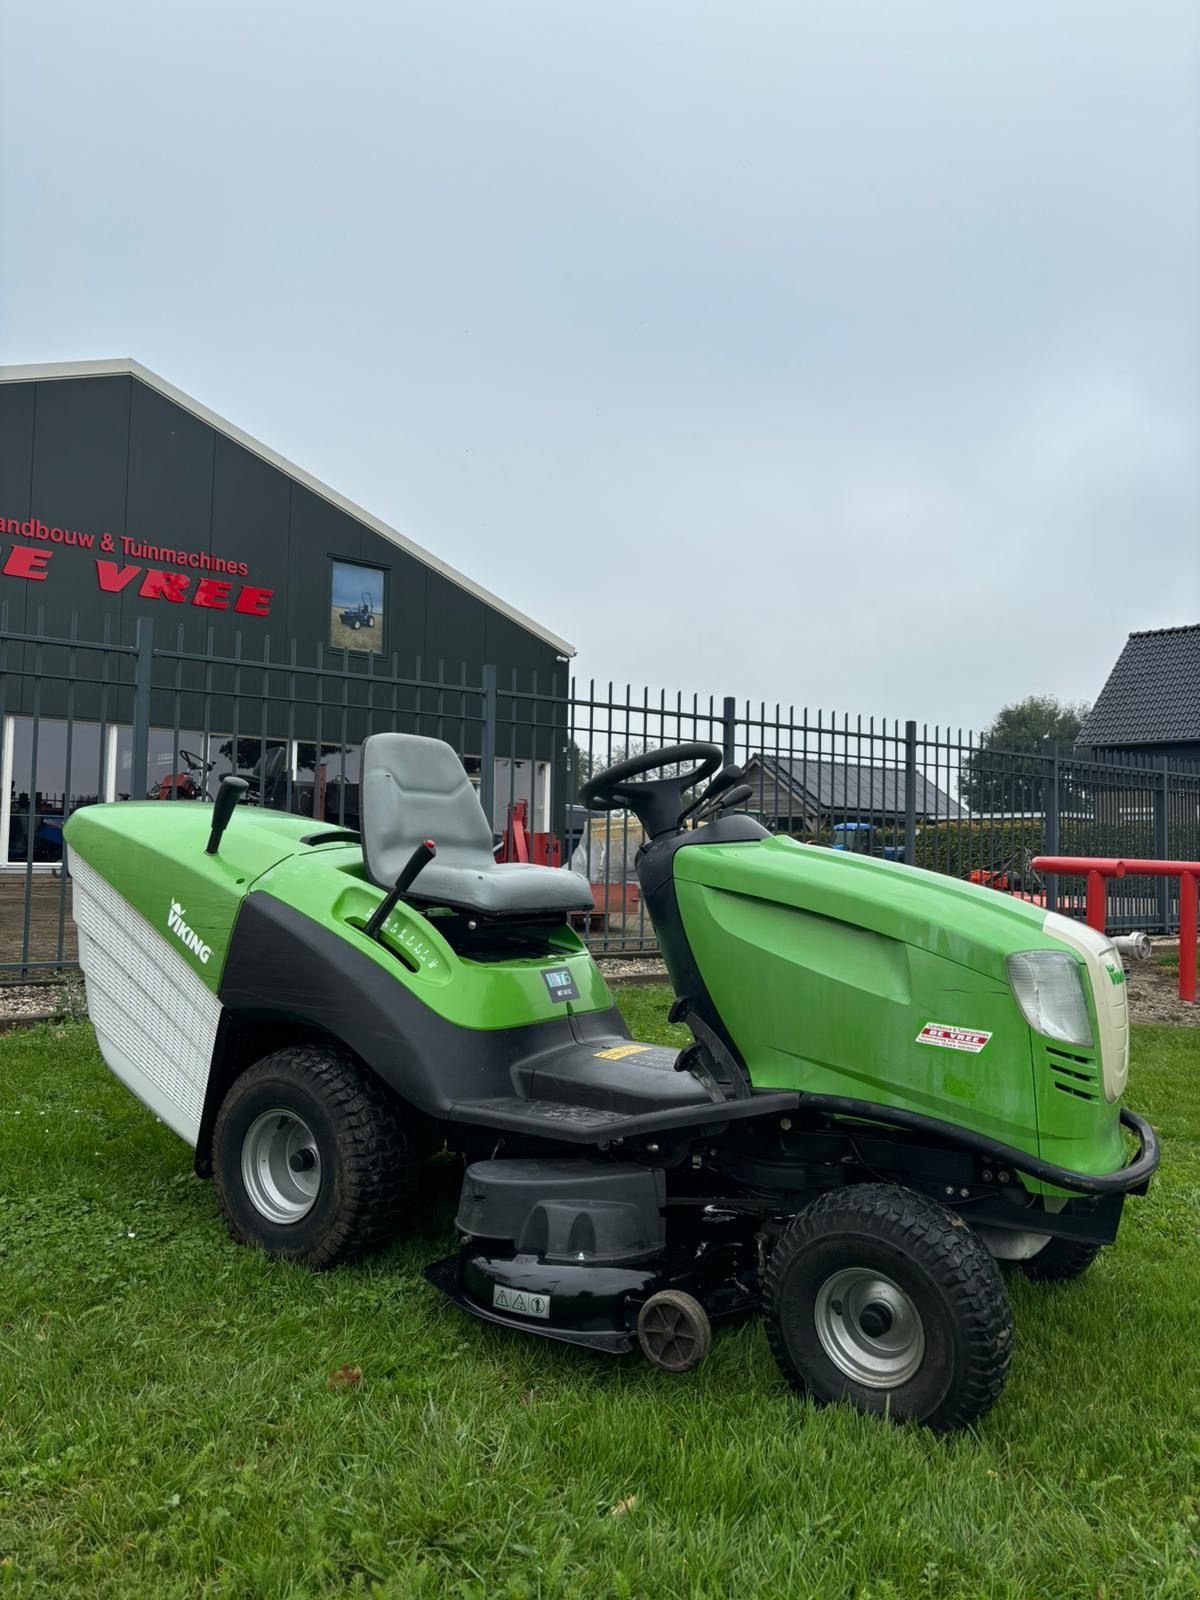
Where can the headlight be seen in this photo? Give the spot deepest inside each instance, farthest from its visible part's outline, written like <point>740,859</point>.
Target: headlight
<point>1048,987</point>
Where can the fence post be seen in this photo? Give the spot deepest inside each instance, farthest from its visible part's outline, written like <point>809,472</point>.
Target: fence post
<point>910,792</point>
<point>143,668</point>
<point>729,730</point>
<point>1051,807</point>
<point>1162,810</point>
<point>487,747</point>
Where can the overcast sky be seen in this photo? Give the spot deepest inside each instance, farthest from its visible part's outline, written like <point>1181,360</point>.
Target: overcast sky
<point>839,354</point>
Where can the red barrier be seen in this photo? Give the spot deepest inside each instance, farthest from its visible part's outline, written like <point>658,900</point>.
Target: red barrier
<point>1099,869</point>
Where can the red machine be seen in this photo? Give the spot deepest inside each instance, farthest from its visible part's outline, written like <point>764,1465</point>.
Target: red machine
<point>545,850</point>
<point>518,844</point>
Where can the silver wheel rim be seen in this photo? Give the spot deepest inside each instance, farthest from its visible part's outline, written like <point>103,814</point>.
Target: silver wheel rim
<point>869,1328</point>
<point>281,1167</point>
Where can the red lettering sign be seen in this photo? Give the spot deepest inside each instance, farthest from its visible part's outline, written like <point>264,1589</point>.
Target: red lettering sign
<point>159,585</point>
<point>254,602</point>
<point>152,582</point>
<point>26,563</point>
<point>212,592</point>
<point>111,578</point>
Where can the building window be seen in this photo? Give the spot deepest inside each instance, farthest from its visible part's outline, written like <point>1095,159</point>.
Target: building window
<point>356,607</point>
<point>53,768</point>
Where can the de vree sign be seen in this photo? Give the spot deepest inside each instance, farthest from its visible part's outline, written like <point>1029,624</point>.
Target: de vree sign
<point>123,562</point>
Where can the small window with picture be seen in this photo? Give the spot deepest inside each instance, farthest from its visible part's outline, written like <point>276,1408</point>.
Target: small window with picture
<point>356,607</point>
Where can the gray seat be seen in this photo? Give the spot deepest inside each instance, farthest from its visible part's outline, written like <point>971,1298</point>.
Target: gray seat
<point>414,788</point>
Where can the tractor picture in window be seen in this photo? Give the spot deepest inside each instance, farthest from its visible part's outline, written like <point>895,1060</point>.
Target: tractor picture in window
<point>360,616</point>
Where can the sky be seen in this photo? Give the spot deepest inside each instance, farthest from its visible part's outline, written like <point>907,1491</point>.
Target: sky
<point>844,356</point>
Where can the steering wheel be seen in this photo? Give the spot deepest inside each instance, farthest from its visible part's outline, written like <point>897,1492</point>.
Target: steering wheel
<point>609,788</point>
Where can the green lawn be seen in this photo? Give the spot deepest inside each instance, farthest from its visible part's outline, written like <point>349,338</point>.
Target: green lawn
<point>166,1429</point>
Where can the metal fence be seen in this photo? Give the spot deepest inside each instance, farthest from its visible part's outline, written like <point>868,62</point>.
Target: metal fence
<point>82,721</point>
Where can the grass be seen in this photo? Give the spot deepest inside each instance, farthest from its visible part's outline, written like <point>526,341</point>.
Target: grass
<point>1170,960</point>
<point>166,1429</point>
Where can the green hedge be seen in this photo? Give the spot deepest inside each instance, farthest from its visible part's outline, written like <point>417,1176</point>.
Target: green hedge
<point>960,847</point>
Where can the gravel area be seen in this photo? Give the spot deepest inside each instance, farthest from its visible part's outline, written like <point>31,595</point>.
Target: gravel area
<point>639,969</point>
<point>27,1000</point>
<point>20,1002</point>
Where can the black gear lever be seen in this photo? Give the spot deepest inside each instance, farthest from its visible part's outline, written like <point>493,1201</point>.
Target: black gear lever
<point>420,858</point>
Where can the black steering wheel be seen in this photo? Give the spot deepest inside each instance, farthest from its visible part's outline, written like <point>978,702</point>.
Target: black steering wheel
<point>608,789</point>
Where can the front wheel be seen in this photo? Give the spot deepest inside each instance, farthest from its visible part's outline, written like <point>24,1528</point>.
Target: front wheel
<point>884,1298</point>
<point>1060,1261</point>
<point>311,1159</point>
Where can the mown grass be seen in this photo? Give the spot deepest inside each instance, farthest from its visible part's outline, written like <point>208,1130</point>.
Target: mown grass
<point>166,1429</point>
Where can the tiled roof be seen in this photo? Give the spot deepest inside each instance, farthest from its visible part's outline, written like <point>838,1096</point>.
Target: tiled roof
<point>839,786</point>
<point>1153,693</point>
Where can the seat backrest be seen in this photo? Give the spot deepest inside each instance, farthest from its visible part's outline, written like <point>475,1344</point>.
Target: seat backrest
<point>413,788</point>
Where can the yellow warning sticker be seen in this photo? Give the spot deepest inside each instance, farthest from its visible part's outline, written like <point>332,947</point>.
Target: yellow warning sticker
<point>620,1051</point>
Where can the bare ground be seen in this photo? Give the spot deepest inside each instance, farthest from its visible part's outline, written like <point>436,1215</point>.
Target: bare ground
<point>1154,995</point>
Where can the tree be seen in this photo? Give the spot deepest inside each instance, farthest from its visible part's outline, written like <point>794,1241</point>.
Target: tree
<point>585,764</point>
<point>1005,772</point>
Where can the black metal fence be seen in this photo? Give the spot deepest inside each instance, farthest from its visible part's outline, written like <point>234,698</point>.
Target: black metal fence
<point>83,721</point>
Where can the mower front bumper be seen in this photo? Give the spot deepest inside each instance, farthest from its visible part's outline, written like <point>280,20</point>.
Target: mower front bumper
<point>1134,1178</point>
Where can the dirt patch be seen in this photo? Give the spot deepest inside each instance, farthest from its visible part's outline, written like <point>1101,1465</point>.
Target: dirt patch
<point>1154,995</point>
<point>48,913</point>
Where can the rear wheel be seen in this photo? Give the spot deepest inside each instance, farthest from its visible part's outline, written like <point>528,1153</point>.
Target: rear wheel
<point>311,1159</point>
<point>1060,1260</point>
<point>880,1296</point>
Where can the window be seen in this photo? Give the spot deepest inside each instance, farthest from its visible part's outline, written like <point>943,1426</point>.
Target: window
<point>187,766</point>
<point>69,774</point>
<point>356,607</point>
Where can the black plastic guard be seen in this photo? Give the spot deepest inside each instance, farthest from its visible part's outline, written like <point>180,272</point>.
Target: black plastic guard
<point>446,1276</point>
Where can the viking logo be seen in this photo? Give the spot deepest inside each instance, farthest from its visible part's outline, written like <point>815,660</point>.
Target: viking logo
<point>189,936</point>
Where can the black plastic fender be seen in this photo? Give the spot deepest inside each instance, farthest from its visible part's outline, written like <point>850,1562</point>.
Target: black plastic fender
<point>284,971</point>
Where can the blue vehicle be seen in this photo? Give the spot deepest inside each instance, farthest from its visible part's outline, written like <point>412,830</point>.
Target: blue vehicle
<point>859,837</point>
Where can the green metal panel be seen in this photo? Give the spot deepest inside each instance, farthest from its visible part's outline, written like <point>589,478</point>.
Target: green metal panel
<point>826,967</point>
<point>152,852</point>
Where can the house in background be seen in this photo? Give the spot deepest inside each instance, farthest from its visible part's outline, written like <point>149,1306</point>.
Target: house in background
<point>798,795</point>
<point>1150,706</point>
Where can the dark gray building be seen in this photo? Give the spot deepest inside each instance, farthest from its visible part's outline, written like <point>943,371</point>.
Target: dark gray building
<point>122,499</point>
<point>1150,705</point>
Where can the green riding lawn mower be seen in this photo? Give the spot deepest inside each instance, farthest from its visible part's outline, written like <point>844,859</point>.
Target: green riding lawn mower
<point>894,1080</point>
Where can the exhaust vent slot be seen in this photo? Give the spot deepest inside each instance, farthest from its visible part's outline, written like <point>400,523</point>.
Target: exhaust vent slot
<point>1073,1074</point>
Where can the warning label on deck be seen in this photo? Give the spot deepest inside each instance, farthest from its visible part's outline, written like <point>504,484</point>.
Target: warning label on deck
<point>618,1052</point>
<point>948,1038</point>
<point>520,1301</point>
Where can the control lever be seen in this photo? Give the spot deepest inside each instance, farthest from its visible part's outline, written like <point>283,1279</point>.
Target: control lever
<point>417,862</point>
<point>230,792</point>
<point>723,780</point>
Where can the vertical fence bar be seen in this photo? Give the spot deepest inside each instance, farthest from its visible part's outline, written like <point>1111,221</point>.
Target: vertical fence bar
<point>1051,810</point>
<point>487,746</point>
<point>910,792</point>
<point>1162,808</point>
<point>729,730</point>
<point>143,668</point>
